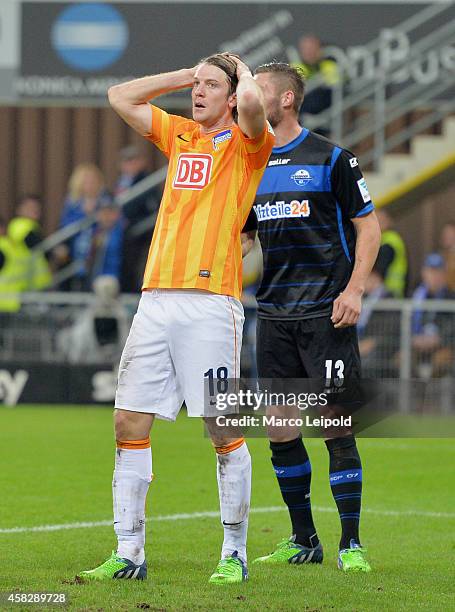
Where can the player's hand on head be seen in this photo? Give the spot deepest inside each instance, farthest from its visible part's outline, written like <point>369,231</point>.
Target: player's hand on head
<point>346,309</point>
<point>192,74</point>
<point>242,68</point>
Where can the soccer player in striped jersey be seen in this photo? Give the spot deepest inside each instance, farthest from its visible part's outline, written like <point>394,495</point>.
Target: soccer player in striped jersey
<point>320,238</point>
<point>188,327</point>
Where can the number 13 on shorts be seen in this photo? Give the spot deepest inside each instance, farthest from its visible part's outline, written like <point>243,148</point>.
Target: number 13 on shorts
<point>337,369</point>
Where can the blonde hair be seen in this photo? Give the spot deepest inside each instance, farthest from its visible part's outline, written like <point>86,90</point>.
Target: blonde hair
<point>77,178</point>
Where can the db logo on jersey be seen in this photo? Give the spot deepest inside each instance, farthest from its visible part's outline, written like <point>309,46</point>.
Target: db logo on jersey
<point>193,171</point>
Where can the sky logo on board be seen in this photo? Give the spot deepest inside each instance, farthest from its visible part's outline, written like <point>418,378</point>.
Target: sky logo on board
<point>90,36</point>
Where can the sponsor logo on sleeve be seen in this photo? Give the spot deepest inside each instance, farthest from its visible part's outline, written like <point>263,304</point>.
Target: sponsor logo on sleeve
<point>353,162</point>
<point>362,184</point>
<point>193,171</point>
<point>221,137</point>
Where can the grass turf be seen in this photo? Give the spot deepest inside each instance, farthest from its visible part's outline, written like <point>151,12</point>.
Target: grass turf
<point>57,467</point>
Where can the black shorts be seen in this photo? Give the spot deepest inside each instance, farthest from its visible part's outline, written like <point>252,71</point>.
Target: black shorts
<point>308,348</point>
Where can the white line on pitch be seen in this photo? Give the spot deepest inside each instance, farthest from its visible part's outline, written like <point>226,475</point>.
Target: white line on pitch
<point>215,514</point>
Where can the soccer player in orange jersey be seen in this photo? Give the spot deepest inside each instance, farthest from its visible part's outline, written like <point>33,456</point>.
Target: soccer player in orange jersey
<point>188,327</point>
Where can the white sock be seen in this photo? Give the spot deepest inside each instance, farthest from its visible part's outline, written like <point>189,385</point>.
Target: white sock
<point>234,487</point>
<point>132,477</point>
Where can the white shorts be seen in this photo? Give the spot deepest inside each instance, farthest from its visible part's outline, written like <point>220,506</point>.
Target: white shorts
<point>177,337</point>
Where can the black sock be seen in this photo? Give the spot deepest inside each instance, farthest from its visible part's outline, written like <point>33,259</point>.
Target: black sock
<point>293,471</point>
<point>346,484</point>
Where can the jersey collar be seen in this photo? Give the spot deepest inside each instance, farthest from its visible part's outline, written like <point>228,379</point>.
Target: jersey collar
<point>288,147</point>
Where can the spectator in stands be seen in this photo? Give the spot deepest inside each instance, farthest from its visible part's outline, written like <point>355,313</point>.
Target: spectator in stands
<point>133,169</point>
<point>447,246</point>
<point>433,333</point>
<point>7,281</point>
<point>317,68</point>
<point>29,268</point>
<point>86,192</point>
<point>392,261</point>
<point>105,256</point>
<point>100,331</point>
<point>378,330</point>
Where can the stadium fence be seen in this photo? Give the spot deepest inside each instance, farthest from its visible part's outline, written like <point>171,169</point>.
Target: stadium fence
<point>64,334</point>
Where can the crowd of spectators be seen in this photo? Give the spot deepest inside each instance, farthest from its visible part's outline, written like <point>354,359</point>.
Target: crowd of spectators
<point>432,330</point>
<point>111,245</point>
<point>102,238</point>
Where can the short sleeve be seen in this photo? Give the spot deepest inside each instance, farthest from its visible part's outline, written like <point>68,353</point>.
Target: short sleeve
<point>257,150</point>
<point>349,185</point>
<point>163,128</point>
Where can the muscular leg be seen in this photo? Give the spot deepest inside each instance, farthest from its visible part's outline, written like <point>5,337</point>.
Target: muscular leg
<point>234,485</point>
<point>279,358</point>
<point>132,476</point>
<point>345,473</point>
<point>293,471</point>
<point>339,348</point>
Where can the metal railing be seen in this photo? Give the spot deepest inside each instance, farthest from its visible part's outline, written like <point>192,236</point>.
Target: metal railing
<point>379,101</point>
<point>50,328</point>
<point>64,234</point>
<point>58,304</point>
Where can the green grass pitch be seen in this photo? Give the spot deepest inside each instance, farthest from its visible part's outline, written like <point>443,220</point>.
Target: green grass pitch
<point>56,469</point>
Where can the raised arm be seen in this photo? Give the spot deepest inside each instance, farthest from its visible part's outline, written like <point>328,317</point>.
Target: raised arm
<point>131,100</point>
<point>250,101</point>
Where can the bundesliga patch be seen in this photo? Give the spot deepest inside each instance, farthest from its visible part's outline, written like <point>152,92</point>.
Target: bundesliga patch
<point>362,184</point>
<point>221,137</point>
<point>281,210</point>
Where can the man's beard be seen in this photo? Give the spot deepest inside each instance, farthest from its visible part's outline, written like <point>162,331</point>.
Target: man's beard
<point>275,116</point>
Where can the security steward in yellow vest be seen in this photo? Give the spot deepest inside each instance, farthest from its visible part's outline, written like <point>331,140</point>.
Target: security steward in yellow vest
<point>392,261</point>
<point>9,285</point>
<point>314,64</point>
<point>23,269</point>
<point>32,267</point>
<point>392,257</point>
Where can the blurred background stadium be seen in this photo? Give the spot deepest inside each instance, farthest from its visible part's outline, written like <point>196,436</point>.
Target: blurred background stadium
<point>79,194</point>
<point>80,191</point>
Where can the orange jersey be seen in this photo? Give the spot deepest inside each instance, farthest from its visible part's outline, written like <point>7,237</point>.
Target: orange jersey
<point>210,187</point>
